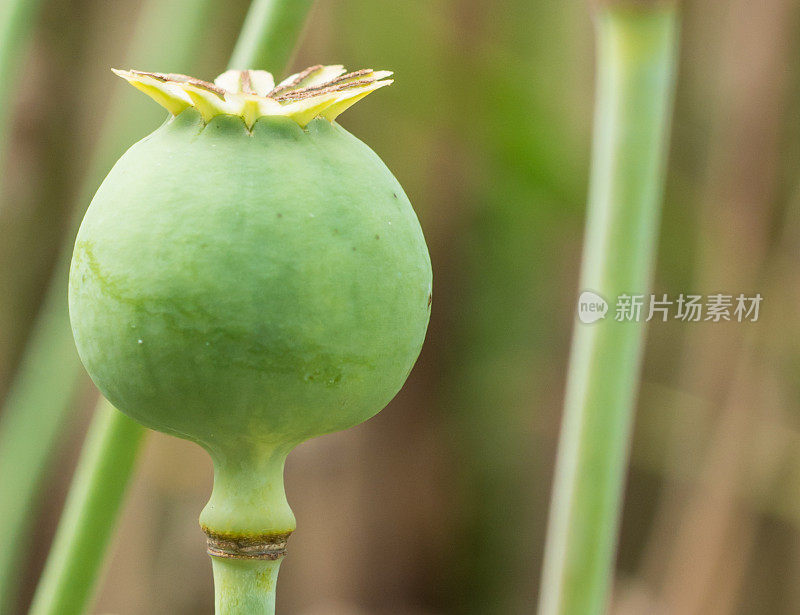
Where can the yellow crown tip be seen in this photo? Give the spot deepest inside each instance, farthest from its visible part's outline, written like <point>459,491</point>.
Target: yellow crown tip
<point>318,91</point>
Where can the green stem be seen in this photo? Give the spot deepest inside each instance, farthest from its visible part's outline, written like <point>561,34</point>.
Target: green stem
<point>17,17</point>
<point>247,511</point>
<point>248,498</point>
<point>95,498</point>
<point>245,587</point>
<point>29,432</point>
<point>269,34</point>
<point>636,65</point>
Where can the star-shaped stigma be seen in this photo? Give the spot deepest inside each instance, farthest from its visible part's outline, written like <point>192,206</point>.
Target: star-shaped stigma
<point>318,91</point>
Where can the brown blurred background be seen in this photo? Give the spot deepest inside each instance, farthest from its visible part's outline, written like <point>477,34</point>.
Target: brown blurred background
<point>438,505</point>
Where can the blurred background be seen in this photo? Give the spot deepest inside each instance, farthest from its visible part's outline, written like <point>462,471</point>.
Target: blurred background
<point>438,505</point>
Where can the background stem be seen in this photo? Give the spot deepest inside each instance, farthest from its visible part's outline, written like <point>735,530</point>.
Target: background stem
<point>16,21</point>
<point>269,35</point>
<point>29,430</point>
<point>107,461</point>
<point>95,497</point>
<point>636,59</point>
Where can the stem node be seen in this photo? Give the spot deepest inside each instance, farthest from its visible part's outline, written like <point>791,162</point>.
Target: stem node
<point>268,546</point>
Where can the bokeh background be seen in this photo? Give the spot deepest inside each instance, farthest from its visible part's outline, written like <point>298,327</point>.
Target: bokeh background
<point>438,505</point>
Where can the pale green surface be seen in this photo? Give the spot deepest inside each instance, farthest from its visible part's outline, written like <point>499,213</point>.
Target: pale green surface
<point>249,291</point>
<point>269,35</point>
<point>636,60</point>
<point>34,415</point>
<point>90,513</point>
<point>245,587</point>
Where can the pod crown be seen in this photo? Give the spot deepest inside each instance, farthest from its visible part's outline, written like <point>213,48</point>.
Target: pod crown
<point>318,91</point>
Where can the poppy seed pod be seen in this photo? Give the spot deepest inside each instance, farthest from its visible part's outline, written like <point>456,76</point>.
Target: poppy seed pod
<point>248,276</point>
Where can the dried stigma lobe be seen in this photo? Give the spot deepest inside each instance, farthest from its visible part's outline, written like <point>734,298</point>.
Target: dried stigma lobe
<point>318,91</point>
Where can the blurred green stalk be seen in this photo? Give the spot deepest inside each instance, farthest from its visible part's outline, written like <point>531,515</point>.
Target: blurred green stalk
<point>42,392</point>
<point>108,458</point>
<point>636,48</point>
<point>269,35</point>
<point>90,513</point>
<point>16,21</point>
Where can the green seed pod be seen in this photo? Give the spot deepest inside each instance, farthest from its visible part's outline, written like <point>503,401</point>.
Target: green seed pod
<point>249,276</point>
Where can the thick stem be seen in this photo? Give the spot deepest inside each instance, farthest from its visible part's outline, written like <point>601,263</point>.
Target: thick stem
<point>248,500</point>
<point>269,34</point>
<point>245,587</point>
<point>636,60</point>
<point>95,498</point>
<point>247,521</point>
